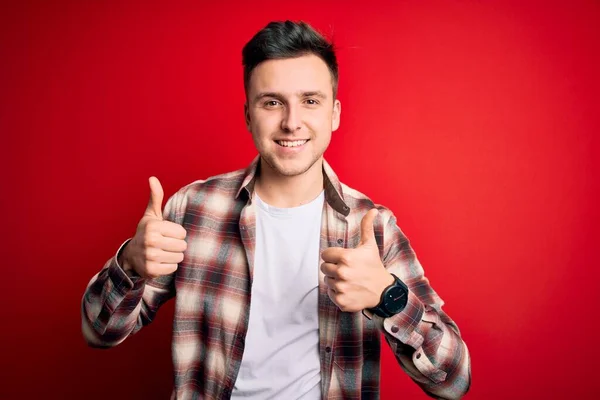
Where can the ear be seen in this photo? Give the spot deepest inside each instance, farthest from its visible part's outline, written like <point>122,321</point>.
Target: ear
<point>247,116</point>
<point>337,111</point>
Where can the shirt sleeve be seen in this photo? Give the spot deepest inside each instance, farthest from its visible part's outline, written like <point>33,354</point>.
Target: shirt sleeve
<point>425,340</point>
<point>117,304</point>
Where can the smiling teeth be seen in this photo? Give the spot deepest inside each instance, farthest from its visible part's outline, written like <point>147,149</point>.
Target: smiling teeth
<point>287,143</point>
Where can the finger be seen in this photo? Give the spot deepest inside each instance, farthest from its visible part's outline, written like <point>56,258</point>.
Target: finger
<point>164,257</point>
<point>157,269</point>
<point>168,268</point>
<point>329,269</point>
<point>172,244</point>
<point>332,254</point>
<point>367,233</point>
<point>168,257</point>
<point>154,207</point>
<point>333,296</point>
<point>336,285</point>
<point>172,230</point>
<point>329,281</point>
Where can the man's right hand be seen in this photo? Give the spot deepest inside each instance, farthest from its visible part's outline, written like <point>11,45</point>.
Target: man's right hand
<point>158,245</point>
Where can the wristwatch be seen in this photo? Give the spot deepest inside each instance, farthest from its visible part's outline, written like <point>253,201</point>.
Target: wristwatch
<point>393,299</point>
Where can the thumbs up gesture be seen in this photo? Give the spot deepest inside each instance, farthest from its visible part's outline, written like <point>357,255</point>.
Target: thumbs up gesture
<point>356,277</point>
<point>158,245</point>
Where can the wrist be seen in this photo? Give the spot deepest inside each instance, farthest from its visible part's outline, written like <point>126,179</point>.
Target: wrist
<point>123,258</point>
<point>385,281</point>
<point>393,298</point>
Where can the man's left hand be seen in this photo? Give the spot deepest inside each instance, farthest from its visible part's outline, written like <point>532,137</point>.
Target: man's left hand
<point>356,277</point>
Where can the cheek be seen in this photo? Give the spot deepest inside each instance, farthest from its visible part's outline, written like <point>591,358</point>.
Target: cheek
<point>320,123</point>
<point>264,124</point>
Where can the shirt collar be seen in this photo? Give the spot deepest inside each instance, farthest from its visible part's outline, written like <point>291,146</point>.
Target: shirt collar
<point>334,194</point>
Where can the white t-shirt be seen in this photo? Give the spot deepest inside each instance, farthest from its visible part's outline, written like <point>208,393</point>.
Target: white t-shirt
<point>281,355</point>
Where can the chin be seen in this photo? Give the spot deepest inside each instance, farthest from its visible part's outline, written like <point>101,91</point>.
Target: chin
<point>289,168</point>
<point>291,172</point>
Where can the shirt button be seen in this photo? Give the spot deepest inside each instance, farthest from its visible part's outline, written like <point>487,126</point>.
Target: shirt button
<point>394,329</point>
<point>327,349</point>
<point>418,355</point>
<point>340,241</point>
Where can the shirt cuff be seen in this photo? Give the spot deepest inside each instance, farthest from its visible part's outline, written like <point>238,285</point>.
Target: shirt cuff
<point>121,248</point>
<point>402,325</point>
<point>121,280</point>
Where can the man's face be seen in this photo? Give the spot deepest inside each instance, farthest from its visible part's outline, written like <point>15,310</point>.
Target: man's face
<point>291,112</point>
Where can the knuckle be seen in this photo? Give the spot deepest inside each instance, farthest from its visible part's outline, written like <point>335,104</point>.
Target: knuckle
<point>322,267</point>
<point>149,226</point>
<point>151,254</point>
<point>346,258</point>
<point>342,273</point>
<point>150,240</point>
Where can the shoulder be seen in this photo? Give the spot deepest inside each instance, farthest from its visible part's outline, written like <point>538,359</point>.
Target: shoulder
<point>215,192</point>
<point>359,204</point>
<point>228,182</point>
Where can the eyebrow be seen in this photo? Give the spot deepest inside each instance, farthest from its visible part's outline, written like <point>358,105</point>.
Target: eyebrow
<point>315,93</point>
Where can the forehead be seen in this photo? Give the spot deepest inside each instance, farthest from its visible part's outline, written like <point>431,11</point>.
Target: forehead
<point>291,75</point>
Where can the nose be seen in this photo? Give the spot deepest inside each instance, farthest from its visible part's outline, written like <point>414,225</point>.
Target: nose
<point>291,119</point>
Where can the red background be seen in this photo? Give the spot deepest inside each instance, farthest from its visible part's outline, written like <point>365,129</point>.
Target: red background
<point>475,122</point>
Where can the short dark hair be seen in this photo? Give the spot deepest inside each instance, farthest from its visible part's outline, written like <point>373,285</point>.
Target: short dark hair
<point>288,39</point>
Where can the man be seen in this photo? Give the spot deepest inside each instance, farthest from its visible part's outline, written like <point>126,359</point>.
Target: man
<point>284,277</point>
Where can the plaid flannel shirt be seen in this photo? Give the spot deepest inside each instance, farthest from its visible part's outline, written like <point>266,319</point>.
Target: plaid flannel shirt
<point>212,287</point>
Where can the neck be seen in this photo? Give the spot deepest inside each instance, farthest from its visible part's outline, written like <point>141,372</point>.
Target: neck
<point>289,191</point>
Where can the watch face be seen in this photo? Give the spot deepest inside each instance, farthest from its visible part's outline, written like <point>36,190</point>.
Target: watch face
<point>395,299</point>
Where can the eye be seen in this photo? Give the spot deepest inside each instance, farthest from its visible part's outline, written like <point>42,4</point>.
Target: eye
<point>312,102</point>
<point>271,103</point>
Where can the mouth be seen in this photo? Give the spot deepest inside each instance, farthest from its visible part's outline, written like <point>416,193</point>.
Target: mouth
<point>292,143</point>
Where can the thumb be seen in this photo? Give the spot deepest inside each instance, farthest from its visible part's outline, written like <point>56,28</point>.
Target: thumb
<point>367,233</point>
<point>156,198</point>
